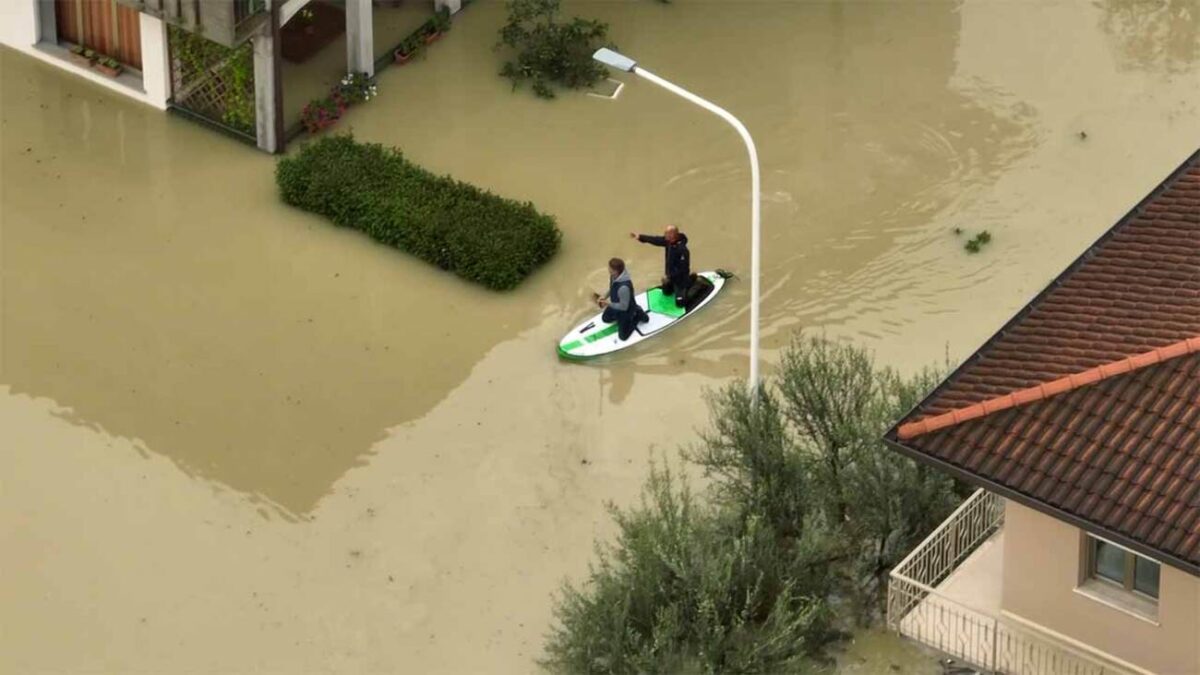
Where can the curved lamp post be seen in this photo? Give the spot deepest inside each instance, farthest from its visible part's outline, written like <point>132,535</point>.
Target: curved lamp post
<point>621,62</point>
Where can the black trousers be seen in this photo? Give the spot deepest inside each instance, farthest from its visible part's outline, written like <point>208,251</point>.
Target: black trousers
<point>626,321</point>
<point>678,288</point>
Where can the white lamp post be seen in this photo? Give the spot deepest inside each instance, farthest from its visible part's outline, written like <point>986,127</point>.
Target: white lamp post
<point>621,62</point>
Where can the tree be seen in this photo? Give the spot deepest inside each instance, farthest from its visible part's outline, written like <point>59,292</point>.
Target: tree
<point>806,513</point>
<point>548,51</point>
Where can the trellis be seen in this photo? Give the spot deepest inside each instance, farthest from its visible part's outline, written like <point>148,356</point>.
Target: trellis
<point>213,82</point>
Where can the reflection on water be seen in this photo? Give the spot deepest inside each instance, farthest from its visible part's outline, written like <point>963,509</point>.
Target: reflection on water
<point>154,286</point>
<point>1154,35</point>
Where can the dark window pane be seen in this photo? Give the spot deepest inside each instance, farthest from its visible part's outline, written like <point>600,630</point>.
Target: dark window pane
<point>1145,577</point>
<point>1110,562</point>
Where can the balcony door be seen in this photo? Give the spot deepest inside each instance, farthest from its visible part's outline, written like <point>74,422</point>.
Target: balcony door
<point>103,26</point>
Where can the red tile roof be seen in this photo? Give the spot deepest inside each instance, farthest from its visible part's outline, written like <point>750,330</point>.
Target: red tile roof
<point>1118,455</point>
<point>1053,388</point>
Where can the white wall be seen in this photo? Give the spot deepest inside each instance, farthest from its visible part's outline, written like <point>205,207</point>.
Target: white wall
<point>18,23</point>
<point>20,28</point>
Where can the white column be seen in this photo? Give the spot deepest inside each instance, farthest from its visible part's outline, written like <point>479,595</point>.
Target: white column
<point>360,37</point>
<point>156,65</point>
<point>452,5</point>
<point>264,89</point>
<point>20,23</point>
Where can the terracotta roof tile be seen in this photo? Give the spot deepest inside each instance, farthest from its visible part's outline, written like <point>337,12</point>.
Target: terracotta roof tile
<point>1087,403</point>
<point>1049,389</point>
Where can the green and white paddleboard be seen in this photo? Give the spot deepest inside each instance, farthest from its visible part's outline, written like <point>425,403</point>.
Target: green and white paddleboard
<point>594,338</point>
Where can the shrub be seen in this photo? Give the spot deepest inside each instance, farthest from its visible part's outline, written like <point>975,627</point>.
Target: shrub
<point>479,236</point>
<point>549,52</point>
<point>687,589</point>
<point>805,513</point>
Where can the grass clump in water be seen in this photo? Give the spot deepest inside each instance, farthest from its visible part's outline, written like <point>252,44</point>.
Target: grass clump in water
<point>477,235</point>
<point>806,513</point>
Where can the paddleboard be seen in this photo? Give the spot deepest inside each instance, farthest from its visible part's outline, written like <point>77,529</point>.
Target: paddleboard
<point>594,337</point>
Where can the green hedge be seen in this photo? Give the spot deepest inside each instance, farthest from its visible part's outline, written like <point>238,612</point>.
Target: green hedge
<point>477,235</point>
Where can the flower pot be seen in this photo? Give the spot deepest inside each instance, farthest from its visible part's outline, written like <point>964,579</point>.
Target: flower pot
<point>111,72</point>
<point>80,60</point>
<point>401,58</point>
<point>431,38</point>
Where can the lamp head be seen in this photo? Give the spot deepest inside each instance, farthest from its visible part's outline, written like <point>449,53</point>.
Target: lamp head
<point>614,60</point>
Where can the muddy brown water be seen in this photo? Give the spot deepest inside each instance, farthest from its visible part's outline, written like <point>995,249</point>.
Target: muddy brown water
<point>236,438</point>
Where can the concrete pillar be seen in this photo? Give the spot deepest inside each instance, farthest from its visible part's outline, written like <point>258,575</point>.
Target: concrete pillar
<point>452,5</point>
<point>360,37</point>
<point>20,22</point>
<point>47,22</point>
<point>264,90</point>
<point>156,64</point>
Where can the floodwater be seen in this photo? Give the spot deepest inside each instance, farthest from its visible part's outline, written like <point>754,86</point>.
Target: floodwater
<point>236,438</point>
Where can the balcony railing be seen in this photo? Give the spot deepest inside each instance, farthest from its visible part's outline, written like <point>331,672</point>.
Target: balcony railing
<point>918,610</point>
<point>976,519</point>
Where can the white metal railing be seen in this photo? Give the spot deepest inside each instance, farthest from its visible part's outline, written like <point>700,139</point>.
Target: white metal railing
<point>984,640</point>
<point>976,519</point>
<point>916,609</point>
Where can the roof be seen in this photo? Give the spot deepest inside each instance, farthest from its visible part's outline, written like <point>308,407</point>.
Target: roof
<point>1117,455</point>
<point>1046,390</point>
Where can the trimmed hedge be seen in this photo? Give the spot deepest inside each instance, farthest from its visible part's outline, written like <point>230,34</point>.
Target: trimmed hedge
<point>477,235</point>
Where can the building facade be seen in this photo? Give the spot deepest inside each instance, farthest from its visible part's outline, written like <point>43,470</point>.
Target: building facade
<point>1079,421</point>
<point>47,29</point>
<point>135,35</point>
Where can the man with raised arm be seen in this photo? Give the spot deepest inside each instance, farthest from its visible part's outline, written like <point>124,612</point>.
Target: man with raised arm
<point>677,274</point>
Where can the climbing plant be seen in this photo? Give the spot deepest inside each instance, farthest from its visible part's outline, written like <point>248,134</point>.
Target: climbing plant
<point>213,80</point>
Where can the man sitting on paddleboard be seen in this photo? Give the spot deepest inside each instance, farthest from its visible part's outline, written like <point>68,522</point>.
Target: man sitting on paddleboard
<point>678,269</point>
<point>619,304</point>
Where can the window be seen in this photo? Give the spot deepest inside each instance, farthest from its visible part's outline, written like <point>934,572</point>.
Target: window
<point>1117,566</point>
<point>105,26</point>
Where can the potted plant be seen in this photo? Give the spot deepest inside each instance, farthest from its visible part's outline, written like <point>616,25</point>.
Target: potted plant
<point>440,23</point>
<point>108,65</point>
<point>407,50</point>
<point>82,56</point>
<point>320,114</point>
<point>356,88</point>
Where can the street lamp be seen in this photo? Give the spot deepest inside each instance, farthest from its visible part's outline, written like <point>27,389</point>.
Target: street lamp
<point>612,59</point>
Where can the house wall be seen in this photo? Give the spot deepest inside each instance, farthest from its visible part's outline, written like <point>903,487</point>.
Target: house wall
<point>22,28</point>
<point>1042,562</point>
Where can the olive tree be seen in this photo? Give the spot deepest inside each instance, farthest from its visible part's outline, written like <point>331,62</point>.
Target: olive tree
<point>805,513</point>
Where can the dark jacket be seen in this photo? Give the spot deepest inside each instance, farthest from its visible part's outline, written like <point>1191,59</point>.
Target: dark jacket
<point>620,292</point>
<point>677,258</point>
<point>623,308</point>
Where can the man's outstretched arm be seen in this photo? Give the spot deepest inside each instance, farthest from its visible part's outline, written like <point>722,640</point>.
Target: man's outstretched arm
<point>649,239</point>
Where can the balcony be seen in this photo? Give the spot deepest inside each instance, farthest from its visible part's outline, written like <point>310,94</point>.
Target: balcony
<point>227,22</point>
<point>946,595</point>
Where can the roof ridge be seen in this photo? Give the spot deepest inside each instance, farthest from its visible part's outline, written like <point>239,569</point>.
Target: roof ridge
<point>1048,389</point>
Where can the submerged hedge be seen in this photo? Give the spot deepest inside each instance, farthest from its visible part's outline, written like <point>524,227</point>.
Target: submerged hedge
<point>477,235</point>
